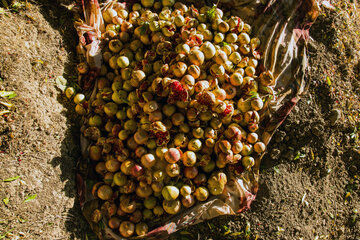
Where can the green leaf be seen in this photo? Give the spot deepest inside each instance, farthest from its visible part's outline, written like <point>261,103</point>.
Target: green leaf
<point>4,112</point>
<point>125,101</point>
<point>353,135</point>
<point>211,12</point>
<point>12,95</point>
<point>61,83</point>
<point>11,179</point>
<point>6,200</point>
<point>101,225</point>
<point>254,95</point>
<point>90,236</point>
<point>222,44</point>
<point>247,229</point>
<point>8,105</point>
<point>328,80</point>
<point>5,234</point>
<point>39,61</point>
<point>75,86</point>
<point>21,219</point>
<point>16,4</point>
<point>117,28</point>
<point>299,155</point>
<point>30,198</point>
<point>8,94</point>
<point>144,28</point>
<point>277,170</point>
<point>236,234</point>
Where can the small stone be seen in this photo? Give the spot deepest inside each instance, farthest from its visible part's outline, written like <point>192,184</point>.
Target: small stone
<point>280,136</point>
<point>317,130</point>
<point>296,109</point>
<point>12,127</point>
<point>353,169</point>
<point>288,127</point>
<point>334,116</point>
<point>275,153</point>
<point>341,230</point>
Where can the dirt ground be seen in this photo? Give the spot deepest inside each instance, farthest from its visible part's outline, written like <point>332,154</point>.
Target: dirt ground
<point>310,181</point>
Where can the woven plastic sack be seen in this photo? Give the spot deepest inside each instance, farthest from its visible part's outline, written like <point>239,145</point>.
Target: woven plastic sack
<point>283,28</point>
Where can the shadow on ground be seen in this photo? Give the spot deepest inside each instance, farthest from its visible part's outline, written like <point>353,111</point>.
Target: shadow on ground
<point>61,19</point>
